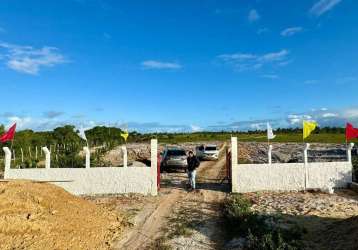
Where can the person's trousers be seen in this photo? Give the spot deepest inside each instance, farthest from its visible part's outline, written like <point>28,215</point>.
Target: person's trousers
<point>192,175</point>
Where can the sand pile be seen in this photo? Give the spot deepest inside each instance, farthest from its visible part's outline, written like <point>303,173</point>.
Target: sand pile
<point>44,216</point>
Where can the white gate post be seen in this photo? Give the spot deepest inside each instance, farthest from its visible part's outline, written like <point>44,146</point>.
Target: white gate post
<point>349,152</point>
<point>154,165</point>
<point>7,161</point>
<point>305,160</point>
<point>48,157</point>
<point>234,162</point>
<point>125,156</point>
<point>88,156</point>
<point>270,155</point>
<point>305,153</point>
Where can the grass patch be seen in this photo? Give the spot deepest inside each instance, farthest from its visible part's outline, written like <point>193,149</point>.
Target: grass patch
<point>159,244</point>
<point>183,223</point>
<point>259,231</point>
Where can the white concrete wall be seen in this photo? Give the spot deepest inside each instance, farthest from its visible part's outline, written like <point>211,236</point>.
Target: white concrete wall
<point>94,181</point>
<point>288,176</point>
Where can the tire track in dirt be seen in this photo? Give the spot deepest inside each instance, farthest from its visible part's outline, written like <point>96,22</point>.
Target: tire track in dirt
<point>151,225</point>
<point>152,222</point>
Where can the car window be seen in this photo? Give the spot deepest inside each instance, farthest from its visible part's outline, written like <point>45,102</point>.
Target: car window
<point>176,153</point>
<point>210,148</point>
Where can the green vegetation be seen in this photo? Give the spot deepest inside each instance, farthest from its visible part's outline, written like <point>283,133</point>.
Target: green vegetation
<point>322,135</point>
<point>66,145</point>
<point>260,231</point>
<point>355,168</point>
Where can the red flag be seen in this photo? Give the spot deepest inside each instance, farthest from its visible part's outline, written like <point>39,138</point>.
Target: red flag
<point>351,132</point>
<point>9,135</point>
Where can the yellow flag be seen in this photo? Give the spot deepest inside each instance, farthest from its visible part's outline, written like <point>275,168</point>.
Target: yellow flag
<point>125,135</point>
<point>308,127</point>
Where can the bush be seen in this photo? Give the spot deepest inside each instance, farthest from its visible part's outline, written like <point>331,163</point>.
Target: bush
<point>241,221</point>
<point>29,164</point>
<point>355,168</point>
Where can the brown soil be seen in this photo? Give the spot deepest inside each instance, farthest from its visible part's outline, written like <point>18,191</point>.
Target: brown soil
<point>156,218</point>
<point>44,216</point>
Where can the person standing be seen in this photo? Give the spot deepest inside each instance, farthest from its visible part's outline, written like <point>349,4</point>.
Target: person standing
<point>193,164</point>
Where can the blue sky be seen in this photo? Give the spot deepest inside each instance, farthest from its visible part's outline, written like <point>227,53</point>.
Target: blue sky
<point>178,65</point>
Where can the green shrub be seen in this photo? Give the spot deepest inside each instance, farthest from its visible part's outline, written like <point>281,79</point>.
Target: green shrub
<point>355,168</point>
<point>30,164</point>
<point>241,221</point>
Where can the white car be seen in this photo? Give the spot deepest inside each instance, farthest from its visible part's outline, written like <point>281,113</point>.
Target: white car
<point>207,152</point>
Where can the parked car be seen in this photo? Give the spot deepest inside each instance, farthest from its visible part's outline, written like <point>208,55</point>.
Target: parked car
<point>207,152</point>
<point>173,159</point>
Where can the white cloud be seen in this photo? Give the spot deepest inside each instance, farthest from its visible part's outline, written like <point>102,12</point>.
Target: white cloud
<point>195,128</point>
<point>322,6</point>
<point>256,126</point>
<point>295,119</point>
<point>275,56</point>
<point>21,122</point>
<point>244,61</point>
<point>28,60</point>
<point>351,113</point>
<point>253,16</point>
<point>328,115</point>
<point>291,31</point>
<point>152,64</point>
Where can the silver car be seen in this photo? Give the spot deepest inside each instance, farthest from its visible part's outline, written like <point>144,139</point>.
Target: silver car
<point>207,152</point>
<point>173,158</point>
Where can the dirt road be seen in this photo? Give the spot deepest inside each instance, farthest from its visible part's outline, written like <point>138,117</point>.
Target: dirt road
<point>177,218</point>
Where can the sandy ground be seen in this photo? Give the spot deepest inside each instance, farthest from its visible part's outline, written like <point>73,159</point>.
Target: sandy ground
<point>331,220</point>
<point>158,218</point>
<point>43,216</point>
<point>175,219</point>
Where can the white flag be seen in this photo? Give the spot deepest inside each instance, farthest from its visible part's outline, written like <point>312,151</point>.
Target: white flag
<point>270,134</point>
<point>82,133</point>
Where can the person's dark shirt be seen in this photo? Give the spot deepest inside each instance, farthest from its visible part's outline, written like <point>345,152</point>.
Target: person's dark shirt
<point>193,163</point>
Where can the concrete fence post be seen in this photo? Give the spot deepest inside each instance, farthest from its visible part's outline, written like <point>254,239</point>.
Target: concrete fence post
<point>154,165</point>
<point>305,153</point>
<point>125,156</point>
<point>7,161</point>
<point>234,162</point>
<point>349,152</point>
<point>47,157</point>
<point>270,155</point>
<point>305,160</point>
<point>88,157</point>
